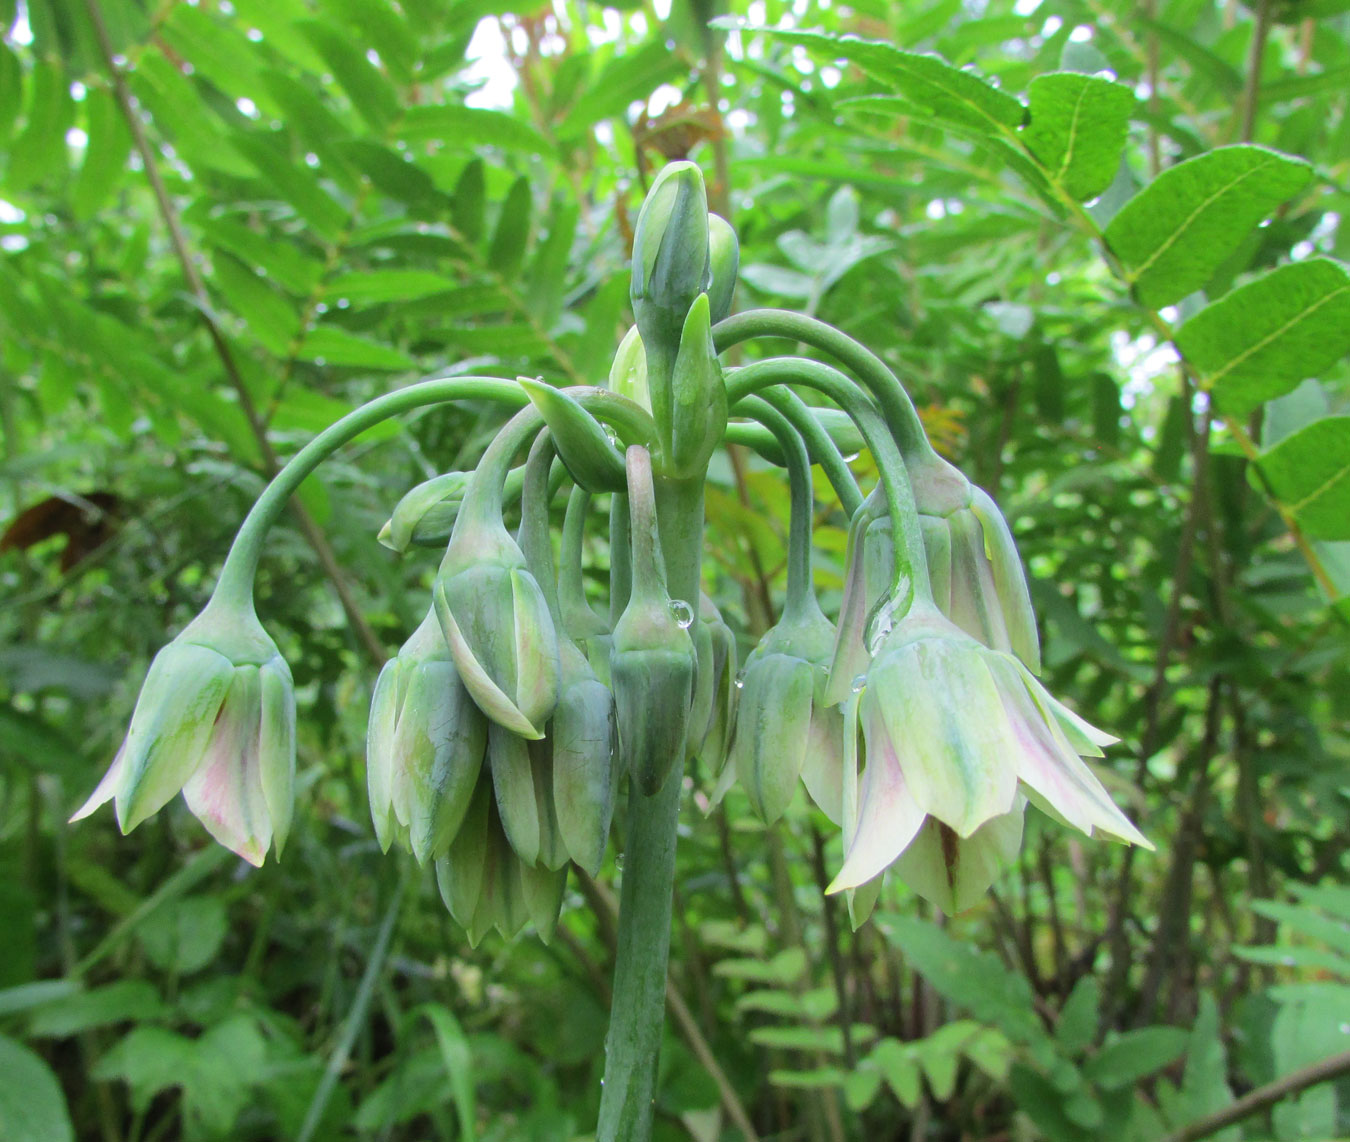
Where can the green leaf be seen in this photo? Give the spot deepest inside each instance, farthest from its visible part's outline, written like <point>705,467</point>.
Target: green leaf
<point>827,1039</point>
<point>969,978</point>
<point>1077,129</point>
<point>373,286</point>
<point>817,1004</point>
<point>458,1058</point>
<point>1077,1026</point>
<point>928,81</point>
<point>32,1107</point>
<point>788,966</point>
<point>1259,341</point>
<point>39,150</point>
<point>329,345</point>
<point>1309,472</point>
<point>39,993</point>
<point>180,116</point>
<point>1306,921</point>
<point>371,94</point>
<point>120,1002</point>
<point>184,935</point>
<point>105,157</point>
<point>899,1066</point>
<point>1134,1055</point>
<point>468,203</point>
<point>269,318</point>
<point>512,236</point>
<point>456,127</point>
<point>546,279</point>
<point>292,183</point>
<point>1175,233</point>
<point>629,76</point>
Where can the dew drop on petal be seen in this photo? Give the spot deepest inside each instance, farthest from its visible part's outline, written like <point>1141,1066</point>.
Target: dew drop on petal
<point>740,680</point>
<point>683,612</point>
<point>618,862</point>
<point>859,683</point>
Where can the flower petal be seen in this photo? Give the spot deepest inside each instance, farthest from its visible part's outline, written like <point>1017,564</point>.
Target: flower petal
<point>106,789</point>
<point>954,872</point>
<point>174,719</point>
<point>380,753</point>
<point>276,747</point>
<point>944,716</point>
<point>226,792</point>
<point>888,816</point>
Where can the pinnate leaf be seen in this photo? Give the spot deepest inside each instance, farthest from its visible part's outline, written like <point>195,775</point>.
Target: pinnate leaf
<point>1077,129</point>
<point>1175,233</point>
<point>1309,472</point>
<point>1261,340</point>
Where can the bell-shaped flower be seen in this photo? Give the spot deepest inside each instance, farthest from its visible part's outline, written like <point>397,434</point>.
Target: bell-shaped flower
<point>713,715</point>
<point>497,623</point>
<point>486,885</point>
<point>784,730</point>
<point>580,755</point>
<point>216,720</point>
<point>652,662</point>
<point>425,746</point>
<point>956,732</point>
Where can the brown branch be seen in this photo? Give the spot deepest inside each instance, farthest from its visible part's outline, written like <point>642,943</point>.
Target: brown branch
<point>311,530</point>
<point>1264,1096</point>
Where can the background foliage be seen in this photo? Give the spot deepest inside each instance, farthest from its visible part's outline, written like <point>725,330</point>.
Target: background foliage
<point>228,221</point>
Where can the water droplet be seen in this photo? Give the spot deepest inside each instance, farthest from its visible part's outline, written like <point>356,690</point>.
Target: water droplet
<point>683,612</point>
<point>613,438</point>
<point>618,862</point>
<point>1345,1028</point>
<point>882,619</point>
<point>740,680</point>
<point>859,682</point>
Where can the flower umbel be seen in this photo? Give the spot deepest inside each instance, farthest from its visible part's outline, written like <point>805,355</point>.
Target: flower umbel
<point>216,720</point>
<point>955,734</point>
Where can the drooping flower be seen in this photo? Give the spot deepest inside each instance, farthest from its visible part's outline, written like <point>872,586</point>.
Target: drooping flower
<point>216,720</point>
<point>954,734</point>
<point>425,746</point>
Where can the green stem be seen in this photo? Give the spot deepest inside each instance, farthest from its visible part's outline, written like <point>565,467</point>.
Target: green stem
<point>241,565</point>
<point>819,444</point>
<point>911,567</point>
<point>944,488</point>
<point>637,1015</point>
<point>799,595</point>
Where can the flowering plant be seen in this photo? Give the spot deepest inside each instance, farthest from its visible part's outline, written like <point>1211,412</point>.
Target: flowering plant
<point>501,734</point>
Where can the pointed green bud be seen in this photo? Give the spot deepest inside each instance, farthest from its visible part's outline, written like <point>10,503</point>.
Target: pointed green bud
<point>714,715</point>
<point>670,255</point>
<point>592,458</point>
<point>426,514</point>
<point>497,623</point>
<point>542,891</point>
<point>628,372</point>
<point>585,777</point>
<point>724,255</point>
<point>782,720</point>
<point>513,788</point>
<point>425,747</point>
<point>652,661</point>
<point>699,397</point>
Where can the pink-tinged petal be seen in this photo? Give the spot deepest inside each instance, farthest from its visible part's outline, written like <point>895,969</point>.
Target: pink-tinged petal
<point>954,872</point>
<point>888,816</point>
<point>1010,579</point>
<point>276,747</point>
<point>823,765</point>
<point>491,699</point>
<point>1048,765</point>
<point>106,789</point>
<point>944,717</point>
<point>975,604</point>
<point>226,793</point>
<point>1085,738</point>
<point>850,652</point>
<point>173,721</point>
